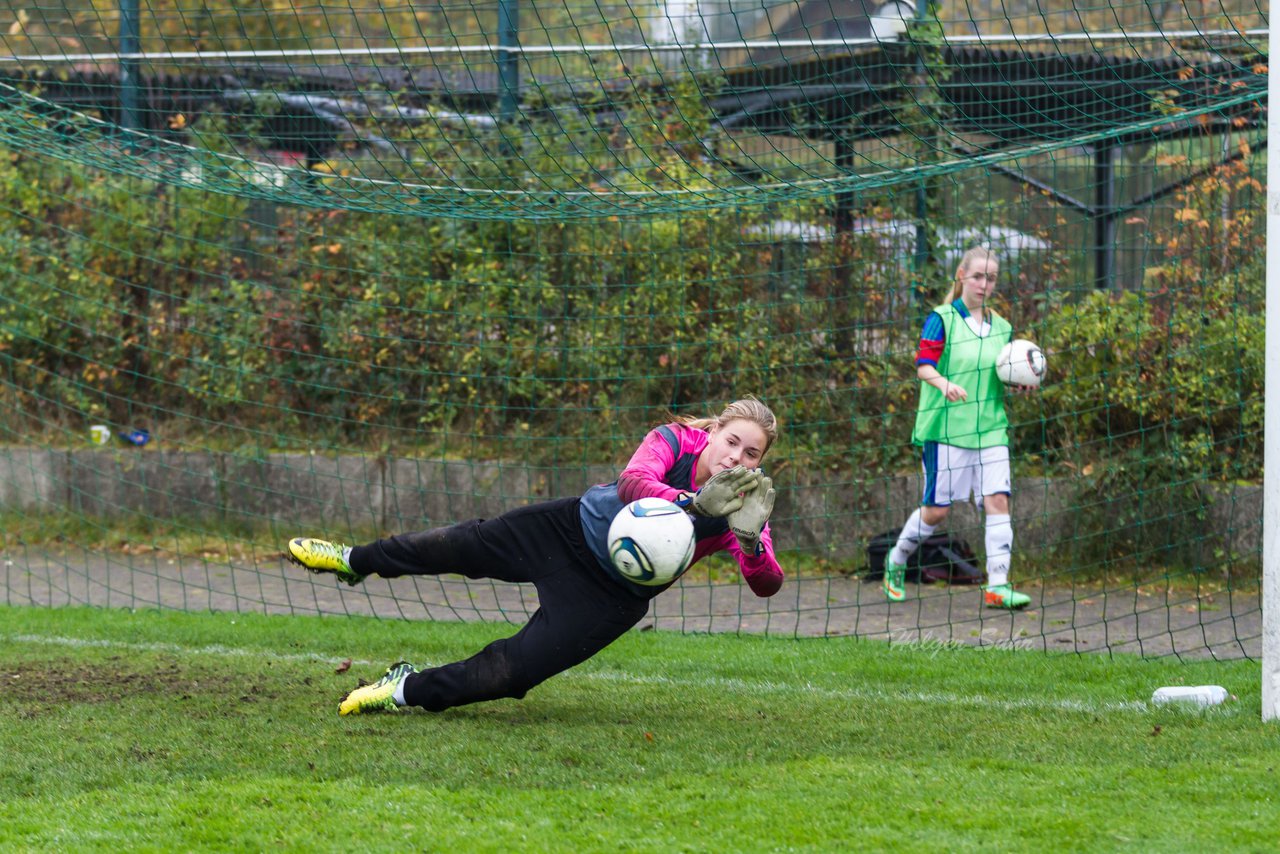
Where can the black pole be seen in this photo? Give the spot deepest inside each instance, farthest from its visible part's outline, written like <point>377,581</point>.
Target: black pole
<point>920,256</point>
<point>130,43</point>
<point>508,60</point>
<point>845,200</point>
<point>1104,216</point>
<point>920,253</point>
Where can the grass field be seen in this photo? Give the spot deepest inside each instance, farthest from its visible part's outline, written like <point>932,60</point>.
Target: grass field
<point>175,731</point>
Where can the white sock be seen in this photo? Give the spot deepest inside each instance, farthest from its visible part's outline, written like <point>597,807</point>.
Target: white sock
<point>909,540</point>
<point>999,548</point>
<point>398,696</point>
<point>346,556</point>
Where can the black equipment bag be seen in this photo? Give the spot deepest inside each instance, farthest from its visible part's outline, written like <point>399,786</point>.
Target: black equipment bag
<point>941,557</point>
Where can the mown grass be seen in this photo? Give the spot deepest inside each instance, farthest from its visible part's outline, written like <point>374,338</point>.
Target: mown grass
<point>174,731</point>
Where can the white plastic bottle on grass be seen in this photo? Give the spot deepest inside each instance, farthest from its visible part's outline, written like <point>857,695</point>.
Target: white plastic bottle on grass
<point>1196,695</point>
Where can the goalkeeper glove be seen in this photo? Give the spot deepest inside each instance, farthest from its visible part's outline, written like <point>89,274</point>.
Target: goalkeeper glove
<point>722,493</point>
<point>747,522</point>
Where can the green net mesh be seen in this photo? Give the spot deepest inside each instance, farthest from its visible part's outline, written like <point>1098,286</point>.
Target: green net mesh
<point>365,268</point>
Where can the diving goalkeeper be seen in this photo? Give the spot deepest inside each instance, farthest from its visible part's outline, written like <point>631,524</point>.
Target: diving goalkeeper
<point>711,466</point>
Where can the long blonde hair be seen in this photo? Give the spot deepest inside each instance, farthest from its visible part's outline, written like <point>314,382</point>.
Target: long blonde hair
<point>746,409</point>
<point>974,254</point>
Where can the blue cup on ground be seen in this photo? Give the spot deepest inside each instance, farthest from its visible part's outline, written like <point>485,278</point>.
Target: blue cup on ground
<point>136,437</point>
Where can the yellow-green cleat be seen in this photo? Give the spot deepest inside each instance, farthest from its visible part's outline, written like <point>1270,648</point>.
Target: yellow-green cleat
<point>380,696</point>
<point>322,556</point>
<point>895,580</point>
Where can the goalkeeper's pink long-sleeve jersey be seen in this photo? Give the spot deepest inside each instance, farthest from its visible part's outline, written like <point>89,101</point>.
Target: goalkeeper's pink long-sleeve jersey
<point>664,466</point>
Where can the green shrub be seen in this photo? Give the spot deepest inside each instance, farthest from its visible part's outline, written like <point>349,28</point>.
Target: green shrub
<point>149,305</point>
<point>1151,399</point>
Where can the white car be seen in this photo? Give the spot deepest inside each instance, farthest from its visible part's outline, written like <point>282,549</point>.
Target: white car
<point>898,237</point>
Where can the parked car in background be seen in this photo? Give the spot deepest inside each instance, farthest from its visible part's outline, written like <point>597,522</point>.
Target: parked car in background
<point>897,238</point>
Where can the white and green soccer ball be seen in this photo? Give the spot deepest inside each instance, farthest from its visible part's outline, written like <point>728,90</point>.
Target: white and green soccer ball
<point>651,541</point>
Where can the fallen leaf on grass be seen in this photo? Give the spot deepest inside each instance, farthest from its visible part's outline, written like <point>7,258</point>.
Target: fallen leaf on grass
<point>344,666</point>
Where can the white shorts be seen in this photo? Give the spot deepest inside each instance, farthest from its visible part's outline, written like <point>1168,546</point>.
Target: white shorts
<point>953,474</point>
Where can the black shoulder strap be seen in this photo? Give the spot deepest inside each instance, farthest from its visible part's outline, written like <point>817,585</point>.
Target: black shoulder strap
<point>669,434</point>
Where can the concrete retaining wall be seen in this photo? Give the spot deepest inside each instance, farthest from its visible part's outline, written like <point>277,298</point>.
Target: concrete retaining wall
<point>299,490</point>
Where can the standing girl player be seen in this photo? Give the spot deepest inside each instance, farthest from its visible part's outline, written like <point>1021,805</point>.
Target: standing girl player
<point>962,428</point>
<point>709,466</point>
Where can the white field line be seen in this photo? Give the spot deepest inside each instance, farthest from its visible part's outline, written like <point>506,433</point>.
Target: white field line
<point>876,694</point>
<point>865,693</point>
<point>179,649</point>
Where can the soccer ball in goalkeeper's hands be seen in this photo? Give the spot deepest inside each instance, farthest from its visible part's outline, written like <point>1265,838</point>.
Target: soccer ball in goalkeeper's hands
<point>651,541</point>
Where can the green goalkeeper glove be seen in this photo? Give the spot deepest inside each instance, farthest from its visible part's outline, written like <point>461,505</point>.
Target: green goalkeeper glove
<point>722,493</point>
<point>747,522</point>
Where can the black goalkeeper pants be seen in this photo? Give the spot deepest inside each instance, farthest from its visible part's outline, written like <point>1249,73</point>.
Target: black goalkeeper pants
<point>581,610</point>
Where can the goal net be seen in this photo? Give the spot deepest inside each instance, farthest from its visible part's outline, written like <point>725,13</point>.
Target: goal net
<point>353,269</point>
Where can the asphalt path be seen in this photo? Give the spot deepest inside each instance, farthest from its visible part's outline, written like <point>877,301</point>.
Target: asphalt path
<point>1149,621</point>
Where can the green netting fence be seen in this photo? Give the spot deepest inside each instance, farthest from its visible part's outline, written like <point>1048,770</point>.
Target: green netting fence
<point>363,268</point>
